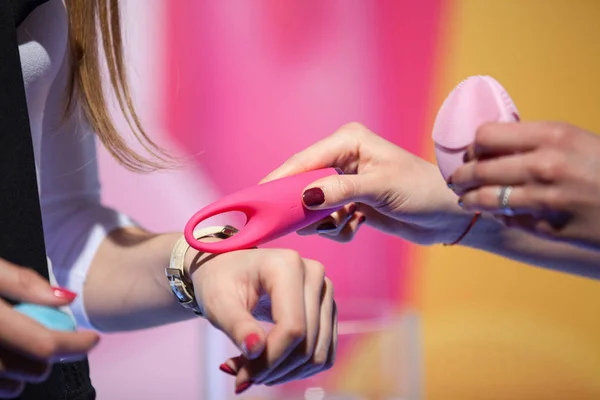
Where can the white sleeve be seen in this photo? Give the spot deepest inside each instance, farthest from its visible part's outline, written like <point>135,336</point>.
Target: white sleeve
<point>75,222</point>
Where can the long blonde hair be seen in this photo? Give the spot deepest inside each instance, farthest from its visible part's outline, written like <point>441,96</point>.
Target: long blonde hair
<point>89,21</point>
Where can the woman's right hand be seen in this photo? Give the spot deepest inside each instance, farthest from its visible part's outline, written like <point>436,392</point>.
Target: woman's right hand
<point>237,290</point>
<point>27,349</point>
<point>383,185</point>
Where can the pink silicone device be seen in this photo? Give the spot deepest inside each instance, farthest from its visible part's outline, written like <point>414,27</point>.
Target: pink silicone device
<point>475,101</point>
<point>272,210</point>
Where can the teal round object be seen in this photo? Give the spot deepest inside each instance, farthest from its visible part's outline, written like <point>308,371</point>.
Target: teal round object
<point>50,317</point>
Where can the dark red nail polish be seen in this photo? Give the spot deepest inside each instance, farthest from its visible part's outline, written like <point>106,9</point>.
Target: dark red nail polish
<point>313,197</point>
<point>352,208</point>
<point>242,387</point>
<point>362,219</point>
<point>64,293</point>
<point>251,343</point>
<point>227,369</point>
<point>516,117</point>
<point>326,227</point>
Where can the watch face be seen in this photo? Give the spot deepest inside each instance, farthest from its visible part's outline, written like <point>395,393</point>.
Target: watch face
<point>178,289</point>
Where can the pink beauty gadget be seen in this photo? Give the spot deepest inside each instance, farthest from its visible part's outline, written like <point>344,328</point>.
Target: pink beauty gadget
<point>273,209</point>
<point>475,101</point>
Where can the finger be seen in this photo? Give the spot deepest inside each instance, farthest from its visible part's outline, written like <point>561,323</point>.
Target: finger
<point>347,234</point>
<point>230,315</point>
<point>314,294</point>
<point>11,389</point>
<point>505,138</point>
<point>233,365</point>
<point>27,337</point>
<point>26,285</point>
<point>282,278</point>
<point>505,170</point>
<point>337,190</point>
<point>331,224</point>
<point>320,355</point>
<point>526,199</point>
<point>328,152</point>
<point>15,366</point>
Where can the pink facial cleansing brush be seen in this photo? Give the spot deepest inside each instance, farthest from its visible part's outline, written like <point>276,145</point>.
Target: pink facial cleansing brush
<point>475,101</point>
<point>273,209</point>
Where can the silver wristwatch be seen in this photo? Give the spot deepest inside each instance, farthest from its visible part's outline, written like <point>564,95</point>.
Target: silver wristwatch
<point>180,282</point>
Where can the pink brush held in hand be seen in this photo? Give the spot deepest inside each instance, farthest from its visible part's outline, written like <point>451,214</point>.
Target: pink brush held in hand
<point>475,101</point>
<point>273,209</point>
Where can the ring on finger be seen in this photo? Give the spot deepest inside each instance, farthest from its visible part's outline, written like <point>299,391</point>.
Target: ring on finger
<point>503,200</point>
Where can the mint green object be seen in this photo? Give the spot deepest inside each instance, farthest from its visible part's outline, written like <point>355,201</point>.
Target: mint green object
<point>51,317</point>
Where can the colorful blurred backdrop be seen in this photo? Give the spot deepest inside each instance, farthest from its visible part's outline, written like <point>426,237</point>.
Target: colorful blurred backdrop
<point>238,86</point>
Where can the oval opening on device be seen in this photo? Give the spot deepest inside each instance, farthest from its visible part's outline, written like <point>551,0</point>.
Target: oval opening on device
<point>236,219</point>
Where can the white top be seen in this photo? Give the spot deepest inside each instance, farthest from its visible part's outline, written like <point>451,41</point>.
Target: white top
<point>75,222</point>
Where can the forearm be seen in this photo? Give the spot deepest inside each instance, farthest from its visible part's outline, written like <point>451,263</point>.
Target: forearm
<point>126,287</point>
<point>491,236</point>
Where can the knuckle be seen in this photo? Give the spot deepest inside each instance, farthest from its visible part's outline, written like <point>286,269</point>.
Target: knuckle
<point>296,331</point>
<point>562,135</point>
<point>549,166</point>
<point>318,269</point>
<point>346,187</point>
<point>484,133</point>
<point>287,258</point>
<point>353,128</point>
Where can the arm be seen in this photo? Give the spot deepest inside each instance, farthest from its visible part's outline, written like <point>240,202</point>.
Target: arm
<point>95,250</point>
<point>491,236</point>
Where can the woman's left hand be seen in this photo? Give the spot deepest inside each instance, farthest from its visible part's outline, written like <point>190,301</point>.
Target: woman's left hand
<point>542,177</point>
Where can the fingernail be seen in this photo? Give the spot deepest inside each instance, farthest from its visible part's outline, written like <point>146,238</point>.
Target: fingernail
<point>242,387</point>
<point>466,157</point>
<point>516,117</point>
<point>352,208</point>
<point>63,293</point>
<point>227,369</point>
<point>250,344</point>
<point>449,182</point>
<point>313,197</point>
<point>339,171</point>
<point>326,227</point>
<point>362,219</point>
<point>460,203</point>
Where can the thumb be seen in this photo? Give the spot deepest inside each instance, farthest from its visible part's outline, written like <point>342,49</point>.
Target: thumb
<point>239,325</point>
<point>338,190</point>
<point>25,285</point>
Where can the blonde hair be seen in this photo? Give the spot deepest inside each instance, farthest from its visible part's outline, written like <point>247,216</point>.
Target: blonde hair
<point>89,21</point>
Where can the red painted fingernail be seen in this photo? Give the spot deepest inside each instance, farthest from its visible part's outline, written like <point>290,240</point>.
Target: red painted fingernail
<point>250,343</point>
<point>516,117</point>
<point>227,369</point>
<point>63,293</point>
<point>313,197</point>
<point>362,219</point>
<point>242,387</point>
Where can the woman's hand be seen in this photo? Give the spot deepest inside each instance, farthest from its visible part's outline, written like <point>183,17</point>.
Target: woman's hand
<point>27,349</point>
<point>383,185</point>
<point>553,171</point>
<point>237,290</point>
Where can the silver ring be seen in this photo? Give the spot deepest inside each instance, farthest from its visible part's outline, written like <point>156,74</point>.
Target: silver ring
<point>503,198</point>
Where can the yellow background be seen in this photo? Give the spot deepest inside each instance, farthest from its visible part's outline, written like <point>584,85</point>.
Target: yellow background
<point>495,329</point>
